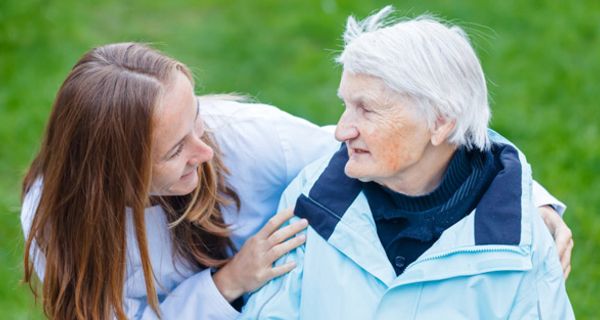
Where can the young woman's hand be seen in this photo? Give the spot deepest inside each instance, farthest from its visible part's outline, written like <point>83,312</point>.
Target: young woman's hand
<point>252,266</point>
<point>563,237</point>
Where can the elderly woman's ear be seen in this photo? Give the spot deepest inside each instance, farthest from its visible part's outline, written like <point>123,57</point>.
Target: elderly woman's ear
<point>441,131</point>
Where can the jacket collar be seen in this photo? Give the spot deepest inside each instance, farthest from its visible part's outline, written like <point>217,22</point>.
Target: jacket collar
<point>497,230</point>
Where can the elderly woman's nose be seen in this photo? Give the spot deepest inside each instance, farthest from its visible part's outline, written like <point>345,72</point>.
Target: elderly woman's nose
<point>345,130</point>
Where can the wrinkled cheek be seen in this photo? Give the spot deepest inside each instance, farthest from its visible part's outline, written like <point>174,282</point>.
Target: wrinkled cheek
<point>389,155</point>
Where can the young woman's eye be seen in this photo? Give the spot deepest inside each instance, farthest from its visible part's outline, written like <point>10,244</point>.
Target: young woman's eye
<point>177,152</point>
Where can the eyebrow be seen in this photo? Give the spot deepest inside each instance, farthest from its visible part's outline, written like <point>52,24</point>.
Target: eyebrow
<point>357,98</point>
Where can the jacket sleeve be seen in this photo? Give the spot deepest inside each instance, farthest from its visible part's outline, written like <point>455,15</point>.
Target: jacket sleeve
<point>28,209</point>
<point>543,294</point>
<point>541,197</point>
<point>304,142</point>
<point>197,297</point>
<point>280,298</point>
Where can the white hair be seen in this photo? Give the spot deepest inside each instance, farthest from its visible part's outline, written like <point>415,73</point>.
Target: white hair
<point>429,62</point>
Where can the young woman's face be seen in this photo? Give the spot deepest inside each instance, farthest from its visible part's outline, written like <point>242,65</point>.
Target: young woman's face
<point>178,149</point>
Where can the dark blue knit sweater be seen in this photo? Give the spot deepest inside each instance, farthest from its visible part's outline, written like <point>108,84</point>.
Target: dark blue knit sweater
<point>407,226</point>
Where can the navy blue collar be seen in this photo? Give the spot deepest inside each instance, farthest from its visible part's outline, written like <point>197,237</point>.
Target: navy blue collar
<point>498,218</point>
<point>330,197</point>
<point>425,217</point>
<point>461,166</point>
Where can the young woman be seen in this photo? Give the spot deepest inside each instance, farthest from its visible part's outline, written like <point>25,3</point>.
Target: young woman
<point>129,209</point>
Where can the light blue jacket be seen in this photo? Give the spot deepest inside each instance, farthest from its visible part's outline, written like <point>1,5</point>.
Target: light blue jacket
<point>499,262</point>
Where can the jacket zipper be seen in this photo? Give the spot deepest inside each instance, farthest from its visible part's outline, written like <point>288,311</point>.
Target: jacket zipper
<point>469,250</point>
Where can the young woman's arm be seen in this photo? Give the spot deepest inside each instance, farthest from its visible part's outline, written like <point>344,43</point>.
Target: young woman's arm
<point>193,297</point>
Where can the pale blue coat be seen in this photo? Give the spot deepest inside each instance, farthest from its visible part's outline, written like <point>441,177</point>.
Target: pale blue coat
<point>499,262</point>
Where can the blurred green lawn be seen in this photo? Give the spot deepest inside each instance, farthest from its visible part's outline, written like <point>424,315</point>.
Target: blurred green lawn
<point>542,60</point>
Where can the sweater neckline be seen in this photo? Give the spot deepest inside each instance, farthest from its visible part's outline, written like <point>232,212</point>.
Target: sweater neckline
<point>457,172</point>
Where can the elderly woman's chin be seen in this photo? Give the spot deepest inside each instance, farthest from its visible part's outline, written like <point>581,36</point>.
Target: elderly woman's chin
<point>358,171</point>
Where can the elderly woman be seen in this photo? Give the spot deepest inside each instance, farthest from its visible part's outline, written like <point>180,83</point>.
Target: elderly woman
<point>423,212</point>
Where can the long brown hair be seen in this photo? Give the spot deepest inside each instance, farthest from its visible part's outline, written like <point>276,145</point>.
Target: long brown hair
<point>94,161</point>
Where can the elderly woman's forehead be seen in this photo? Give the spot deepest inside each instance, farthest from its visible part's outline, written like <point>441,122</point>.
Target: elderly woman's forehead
<point>363,85</point>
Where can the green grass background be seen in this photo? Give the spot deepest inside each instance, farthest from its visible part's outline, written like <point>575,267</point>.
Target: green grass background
<point>542,60</point>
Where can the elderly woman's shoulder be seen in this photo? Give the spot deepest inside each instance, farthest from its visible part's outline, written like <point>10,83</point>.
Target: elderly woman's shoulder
<point>311,172</point>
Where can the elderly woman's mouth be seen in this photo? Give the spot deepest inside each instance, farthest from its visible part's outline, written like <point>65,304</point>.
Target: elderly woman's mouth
<point>358,151</point>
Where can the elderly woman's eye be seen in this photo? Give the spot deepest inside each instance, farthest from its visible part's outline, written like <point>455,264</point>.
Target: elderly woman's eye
<point>364,108</point>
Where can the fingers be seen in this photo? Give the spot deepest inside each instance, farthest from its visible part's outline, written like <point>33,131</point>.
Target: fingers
<point>565,258</point>
<point>282,269</point>
<point>567,271</point>
<point>562,238</point>
<point>564,245</point>
<point>275,222</point>
<point>287,232</point>
<point>279,250</point>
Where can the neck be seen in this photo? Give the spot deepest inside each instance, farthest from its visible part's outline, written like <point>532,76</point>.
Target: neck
<point>425,175</point>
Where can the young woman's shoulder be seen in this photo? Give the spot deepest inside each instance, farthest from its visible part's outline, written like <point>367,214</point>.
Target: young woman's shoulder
<point>263,134</point>
<point>30,203</point>
<point>228,110</point>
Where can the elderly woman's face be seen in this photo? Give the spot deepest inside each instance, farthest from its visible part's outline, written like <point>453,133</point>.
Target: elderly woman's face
<point>385,137</point>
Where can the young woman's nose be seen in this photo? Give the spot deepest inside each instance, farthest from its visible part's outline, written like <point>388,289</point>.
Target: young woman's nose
<point>201,152</point>
<point>345,129</point>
